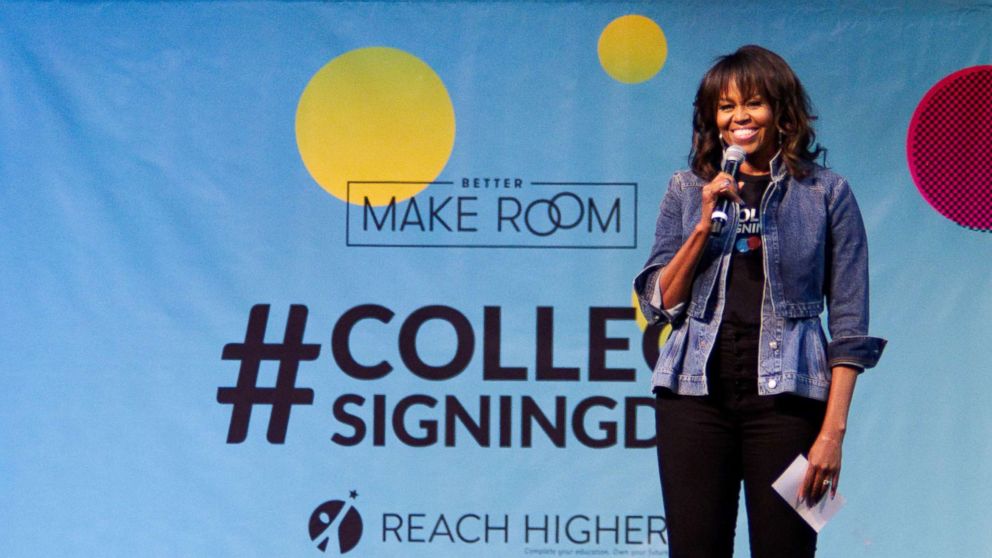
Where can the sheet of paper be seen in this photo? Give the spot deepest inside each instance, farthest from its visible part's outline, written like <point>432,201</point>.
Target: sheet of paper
<point>787,486</point>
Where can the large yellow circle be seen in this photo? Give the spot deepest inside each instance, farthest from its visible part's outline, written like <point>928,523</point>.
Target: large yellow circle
<point>632,49</point>
<point>375,114</point>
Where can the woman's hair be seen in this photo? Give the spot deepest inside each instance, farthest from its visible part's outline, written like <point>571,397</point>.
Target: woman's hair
<point>755,71</point>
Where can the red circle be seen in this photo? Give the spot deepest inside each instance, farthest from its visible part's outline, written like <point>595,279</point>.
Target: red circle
<point>949,147</point>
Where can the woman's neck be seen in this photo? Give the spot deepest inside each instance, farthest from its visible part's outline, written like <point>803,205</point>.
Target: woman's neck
<point>755,170</point>
<point>758,164</point>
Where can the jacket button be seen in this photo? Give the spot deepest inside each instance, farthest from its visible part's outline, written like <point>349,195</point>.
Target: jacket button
<point>773,344</point>
<point>772,383</point>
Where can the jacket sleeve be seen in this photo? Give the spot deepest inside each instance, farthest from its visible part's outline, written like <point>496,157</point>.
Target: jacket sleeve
<point>667,241</point>
<point>846,285</point>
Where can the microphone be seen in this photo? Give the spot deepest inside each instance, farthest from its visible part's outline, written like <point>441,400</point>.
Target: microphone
<point>733,156</point>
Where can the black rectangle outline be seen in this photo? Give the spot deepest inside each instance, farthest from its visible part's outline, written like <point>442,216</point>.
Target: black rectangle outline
<point>347,219</point>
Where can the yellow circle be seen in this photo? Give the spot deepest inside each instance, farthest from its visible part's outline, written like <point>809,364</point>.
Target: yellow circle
<point>375,114</point>
<point>632,49</point>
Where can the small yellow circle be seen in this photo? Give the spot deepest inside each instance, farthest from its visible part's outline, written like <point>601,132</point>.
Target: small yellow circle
<point>375,114</point>
<point>632,49</point>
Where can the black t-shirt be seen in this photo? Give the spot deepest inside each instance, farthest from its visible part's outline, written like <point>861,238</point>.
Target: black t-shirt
<point>746,276</point>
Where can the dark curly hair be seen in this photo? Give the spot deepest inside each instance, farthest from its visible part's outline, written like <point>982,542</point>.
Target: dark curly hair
<point>756,71</point>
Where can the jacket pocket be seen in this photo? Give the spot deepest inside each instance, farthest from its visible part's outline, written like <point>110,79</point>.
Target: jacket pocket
<point>814,351</point>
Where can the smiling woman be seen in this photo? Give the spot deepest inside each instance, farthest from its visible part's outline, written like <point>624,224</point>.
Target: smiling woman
<point>753,89</point>
<point>746,380</point>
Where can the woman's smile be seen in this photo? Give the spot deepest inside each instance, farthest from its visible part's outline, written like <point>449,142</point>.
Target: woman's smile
<point>742,135</point>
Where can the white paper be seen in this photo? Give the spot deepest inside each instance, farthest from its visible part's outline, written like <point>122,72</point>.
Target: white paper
<point>787,486</point>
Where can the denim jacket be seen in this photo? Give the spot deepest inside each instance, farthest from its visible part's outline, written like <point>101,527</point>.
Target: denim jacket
<point>814,250</point>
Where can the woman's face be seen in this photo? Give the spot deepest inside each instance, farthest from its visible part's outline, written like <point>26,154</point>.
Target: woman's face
<point>748,123</point>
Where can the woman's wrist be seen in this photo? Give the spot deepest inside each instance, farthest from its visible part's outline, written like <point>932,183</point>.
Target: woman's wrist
<point>833,433</point>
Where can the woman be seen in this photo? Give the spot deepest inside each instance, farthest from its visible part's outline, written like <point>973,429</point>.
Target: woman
<point>747,381</point>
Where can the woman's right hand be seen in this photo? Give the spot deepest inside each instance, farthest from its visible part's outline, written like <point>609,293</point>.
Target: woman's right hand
<point>722,186</point>
<point>675,279</point>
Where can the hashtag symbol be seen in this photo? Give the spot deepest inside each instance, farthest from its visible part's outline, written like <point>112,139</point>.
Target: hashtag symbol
<point>251,353</point>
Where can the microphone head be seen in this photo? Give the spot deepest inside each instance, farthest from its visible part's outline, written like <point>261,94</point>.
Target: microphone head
<point>734,153</point>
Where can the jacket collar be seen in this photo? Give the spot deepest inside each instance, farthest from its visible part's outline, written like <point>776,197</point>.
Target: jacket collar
<point>778,168</point>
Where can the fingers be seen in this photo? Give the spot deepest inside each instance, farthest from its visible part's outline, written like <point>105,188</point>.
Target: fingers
<point>833,484</point>
<point>824,481</point>
<point>806,487</point>
<point>732,193</point>
<point>821,482</point>
<point>723,186</point>
<point>817,482</point>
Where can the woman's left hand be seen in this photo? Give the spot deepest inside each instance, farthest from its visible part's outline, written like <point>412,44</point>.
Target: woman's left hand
<point>823,472</point>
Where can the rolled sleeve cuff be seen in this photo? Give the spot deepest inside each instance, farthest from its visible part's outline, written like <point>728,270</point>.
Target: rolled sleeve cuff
<point>649,296</point>
<point>859,351</point>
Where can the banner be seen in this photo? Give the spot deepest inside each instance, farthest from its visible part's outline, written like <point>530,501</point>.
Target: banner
<point>304,279</point>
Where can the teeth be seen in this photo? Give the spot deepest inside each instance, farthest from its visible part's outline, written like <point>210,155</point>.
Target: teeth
<point>744,133</point>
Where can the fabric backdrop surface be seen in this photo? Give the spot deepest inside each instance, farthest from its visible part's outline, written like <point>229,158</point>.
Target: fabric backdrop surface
<point>293,279</point>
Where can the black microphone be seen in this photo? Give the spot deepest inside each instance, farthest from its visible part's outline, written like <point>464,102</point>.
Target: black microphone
<point>733,156</point>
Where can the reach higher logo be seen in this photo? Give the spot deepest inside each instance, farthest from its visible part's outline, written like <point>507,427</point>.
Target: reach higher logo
<point>338,521</point>
<point>336,526</point>
<point>494,212</point>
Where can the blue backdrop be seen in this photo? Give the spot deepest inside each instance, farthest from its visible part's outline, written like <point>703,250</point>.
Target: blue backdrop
<point>470,377</point>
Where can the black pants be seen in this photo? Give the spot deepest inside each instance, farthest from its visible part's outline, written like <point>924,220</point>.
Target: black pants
<point>708,445</point>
